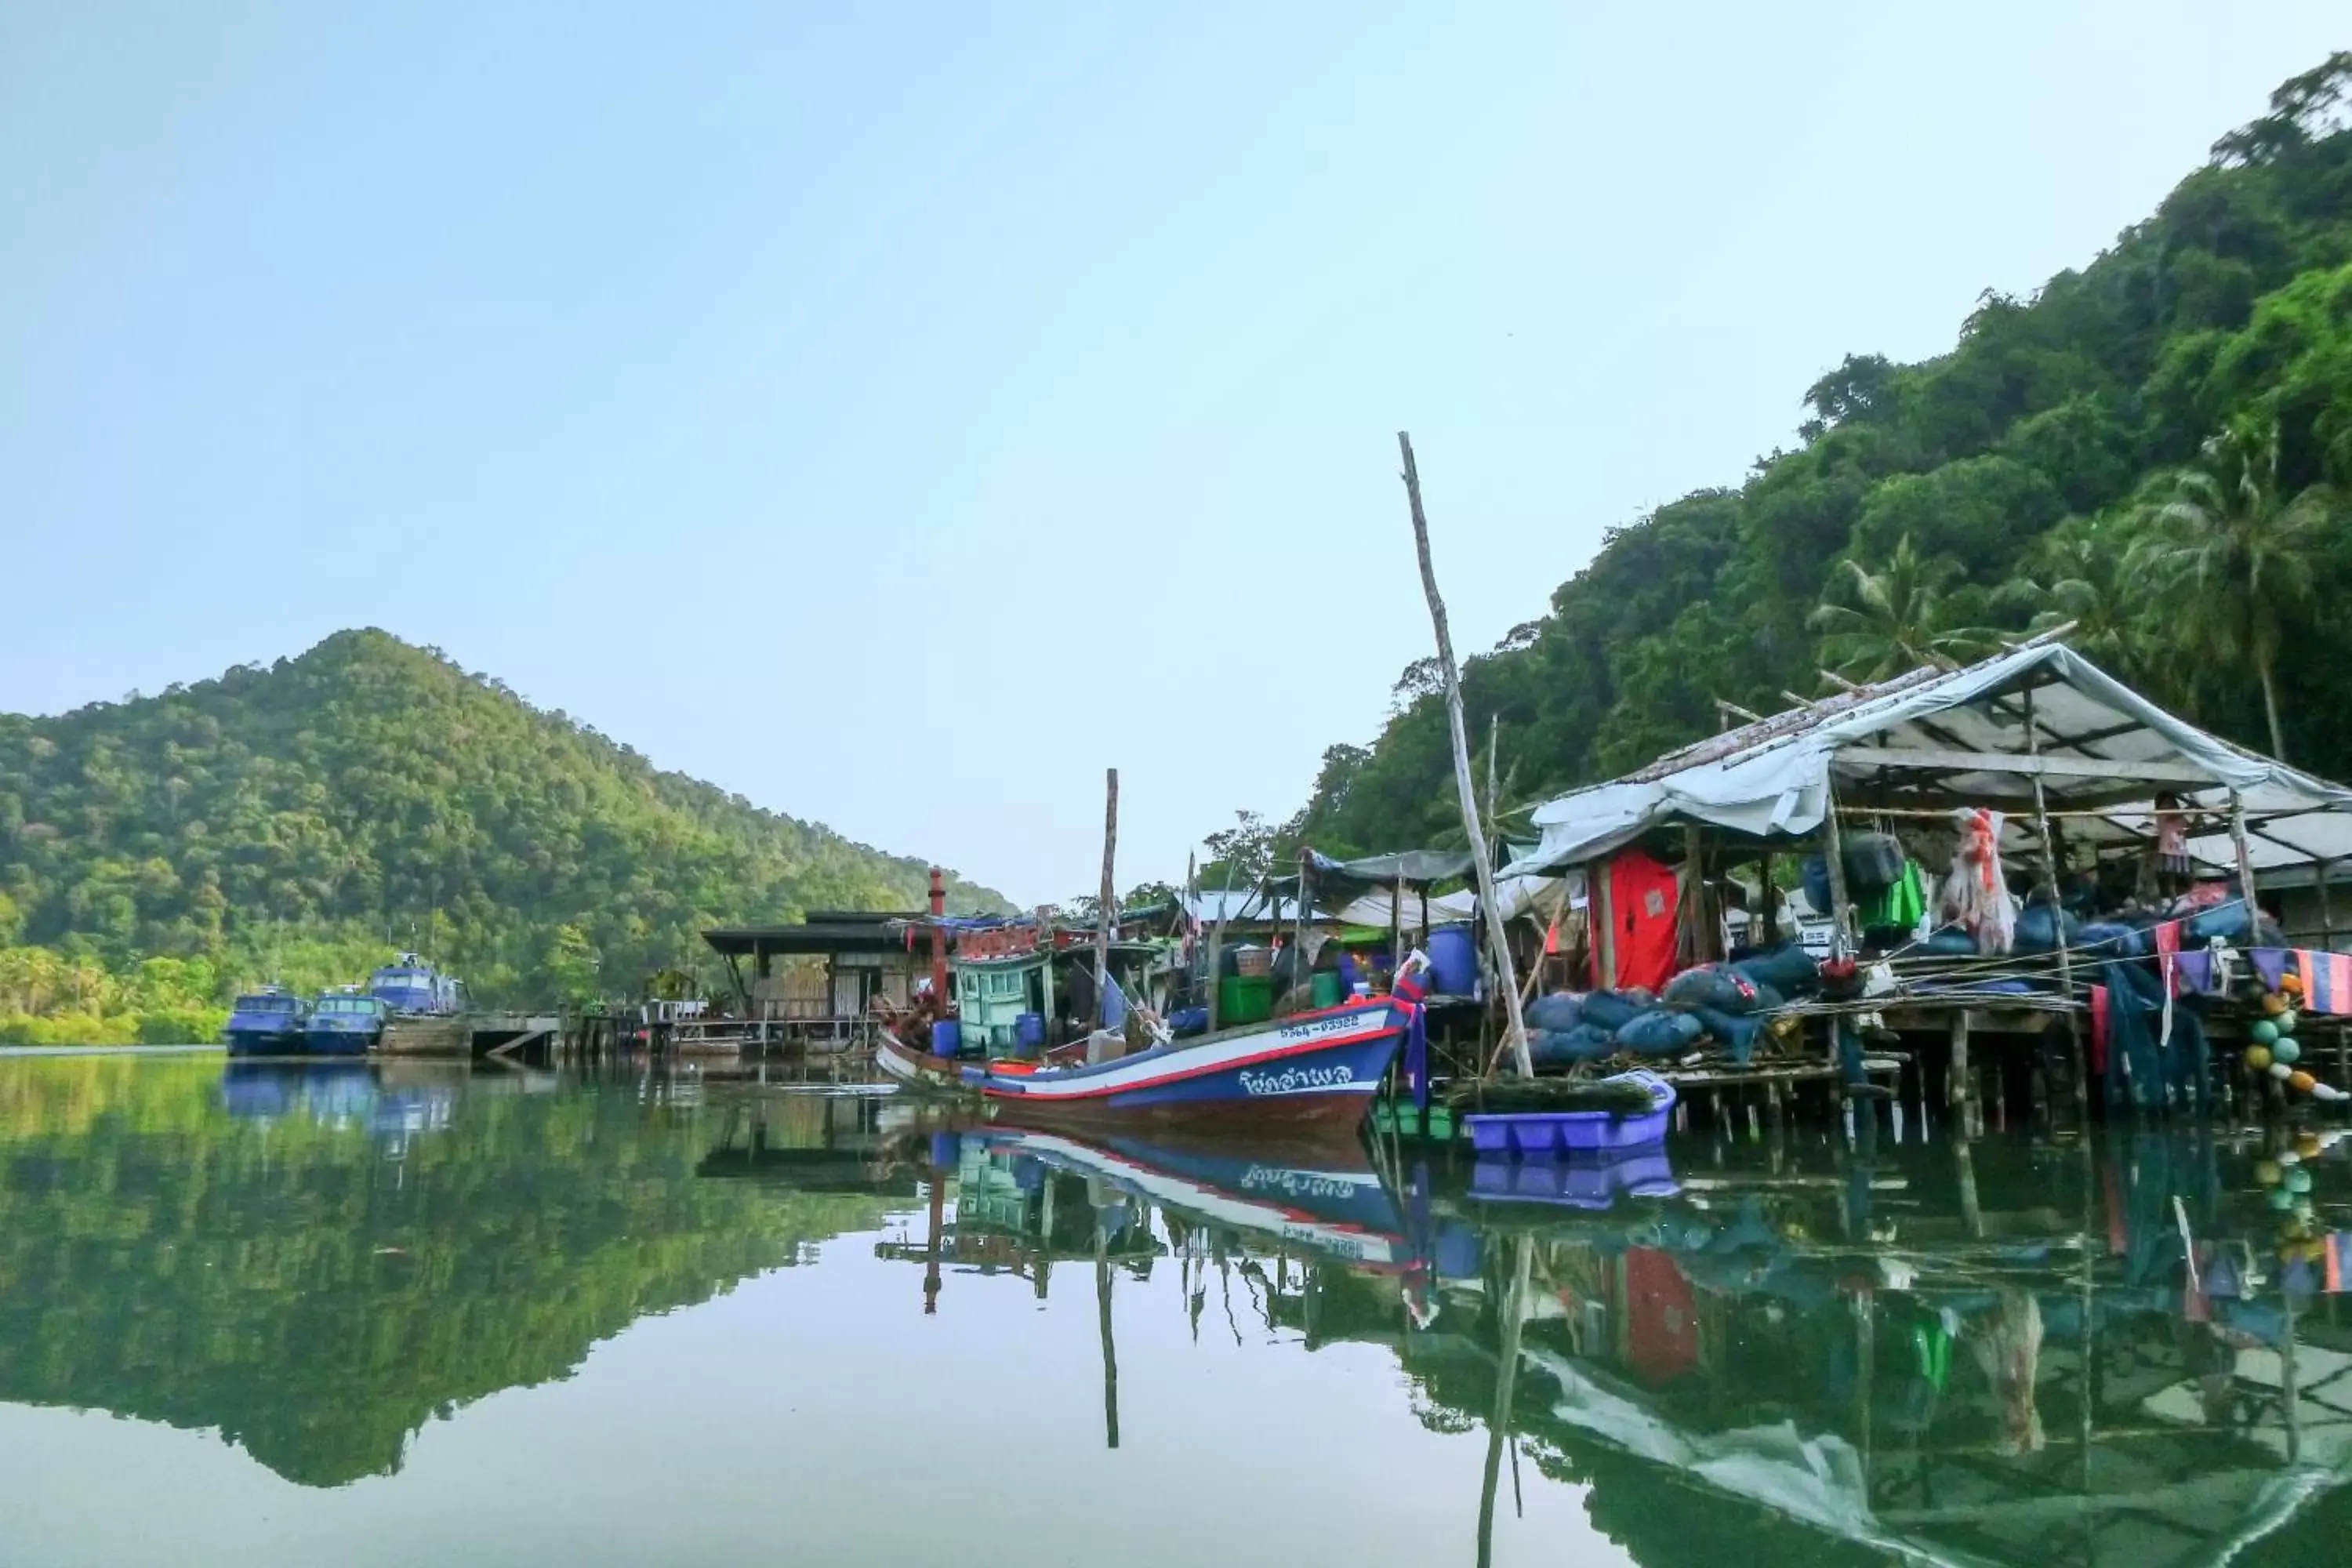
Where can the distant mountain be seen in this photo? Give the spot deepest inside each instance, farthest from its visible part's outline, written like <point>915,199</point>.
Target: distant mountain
<point>304,817</point>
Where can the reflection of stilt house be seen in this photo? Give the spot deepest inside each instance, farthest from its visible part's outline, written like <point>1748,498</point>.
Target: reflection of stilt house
<point>817,980</point>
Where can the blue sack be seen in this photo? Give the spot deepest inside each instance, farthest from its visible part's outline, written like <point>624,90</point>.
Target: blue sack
<point>1737,1035</point>
<point>2114,939</point>
<point>1607,1010</point>
<point>1560,1012</point>
<point>1566,1047</point>
<point>1710,985</point>
<point>1788,969</point>
<point>1813,871</point>
<point>1660,1033</point>
<point>2042,929</point>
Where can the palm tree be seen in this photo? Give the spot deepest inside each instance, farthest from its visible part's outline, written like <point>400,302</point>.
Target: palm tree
<point>1896,618</point>
<point>2080,579</point>
<point>2230,561</point>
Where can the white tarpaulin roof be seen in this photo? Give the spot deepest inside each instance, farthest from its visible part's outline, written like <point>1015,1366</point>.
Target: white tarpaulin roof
<point>1960,737</point>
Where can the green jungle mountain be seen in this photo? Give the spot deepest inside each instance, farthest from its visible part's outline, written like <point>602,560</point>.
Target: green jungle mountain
<point>304,819</point>
<point>316,1263</point>
<point>2156,448</point>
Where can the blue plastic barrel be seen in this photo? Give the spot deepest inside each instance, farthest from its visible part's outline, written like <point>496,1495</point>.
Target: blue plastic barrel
<point>1029,1032</point>
<point>1452,961</point>
<point>947,1148</point>
<point>947,1038</point>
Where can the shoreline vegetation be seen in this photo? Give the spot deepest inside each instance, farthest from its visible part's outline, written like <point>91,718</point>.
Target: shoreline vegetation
<point>299,822</point>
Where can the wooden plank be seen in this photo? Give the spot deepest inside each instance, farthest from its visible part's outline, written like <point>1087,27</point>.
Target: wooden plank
<point>1937,758</point>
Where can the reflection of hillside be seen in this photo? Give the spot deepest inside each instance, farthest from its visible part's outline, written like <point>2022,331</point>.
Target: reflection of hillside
<point>316,1289</point>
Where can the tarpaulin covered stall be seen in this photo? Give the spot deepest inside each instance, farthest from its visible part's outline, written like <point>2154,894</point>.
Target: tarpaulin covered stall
<point>1981,735</point>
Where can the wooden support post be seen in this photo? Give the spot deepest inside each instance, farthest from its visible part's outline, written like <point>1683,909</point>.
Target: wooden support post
<point>1601,925</point>
<point>2050,887</point>
<point>2245,862</point>
<point>1396,928</point>
<point>1301,980</point>
<point>1771,914</point>
<point>1480,861</point>
<point>1840,910</point>
<point>1106,917</point>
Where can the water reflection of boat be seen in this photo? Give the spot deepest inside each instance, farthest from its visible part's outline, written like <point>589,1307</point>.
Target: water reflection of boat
<point>1334,1205</point>
<point>337,1095</point>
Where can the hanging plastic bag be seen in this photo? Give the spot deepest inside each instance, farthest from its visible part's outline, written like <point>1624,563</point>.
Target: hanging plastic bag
<point>1976,894</point>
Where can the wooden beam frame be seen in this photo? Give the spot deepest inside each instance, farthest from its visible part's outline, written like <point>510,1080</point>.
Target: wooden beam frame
<point>1940,760</point>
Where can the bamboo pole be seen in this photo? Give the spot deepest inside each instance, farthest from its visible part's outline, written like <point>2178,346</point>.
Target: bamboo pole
<point>1496,931</point>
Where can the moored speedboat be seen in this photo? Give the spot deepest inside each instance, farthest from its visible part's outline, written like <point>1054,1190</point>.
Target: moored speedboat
<point>268,1022</point>
<point>410,985</point>
<point>344,1023</point>
<point>1314,1070</point>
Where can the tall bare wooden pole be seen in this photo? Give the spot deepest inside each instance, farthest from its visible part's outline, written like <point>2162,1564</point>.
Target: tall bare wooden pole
<point>1106,905</point>
<point>1497,932</point>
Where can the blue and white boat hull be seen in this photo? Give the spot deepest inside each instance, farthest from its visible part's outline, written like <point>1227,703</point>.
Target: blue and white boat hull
<point>1314,1070</point>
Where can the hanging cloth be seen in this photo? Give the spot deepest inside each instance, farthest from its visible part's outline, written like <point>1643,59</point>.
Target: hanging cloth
<point>2327,982</point>
<point>1642,904</point>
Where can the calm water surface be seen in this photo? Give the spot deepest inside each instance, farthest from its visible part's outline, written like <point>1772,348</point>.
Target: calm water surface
<point>364,1314</point>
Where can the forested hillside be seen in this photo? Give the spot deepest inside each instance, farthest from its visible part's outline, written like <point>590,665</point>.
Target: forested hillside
<point>304,818</point>
<point>2154,448</point>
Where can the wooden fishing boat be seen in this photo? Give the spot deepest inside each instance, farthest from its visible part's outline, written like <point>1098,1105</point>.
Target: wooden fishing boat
<point>918,1068</point>
<point>1311,1071</point>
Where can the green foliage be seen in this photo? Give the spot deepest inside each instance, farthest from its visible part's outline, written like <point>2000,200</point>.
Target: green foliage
<point>2022,479</point>
<point>298,822</point>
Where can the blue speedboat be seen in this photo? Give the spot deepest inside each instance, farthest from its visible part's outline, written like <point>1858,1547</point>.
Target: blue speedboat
<point>344,1023</point>
<point>409,985</point>
<point>266,1023</point>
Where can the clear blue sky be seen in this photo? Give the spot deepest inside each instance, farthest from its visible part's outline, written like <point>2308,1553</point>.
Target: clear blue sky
<point>1003,383</point>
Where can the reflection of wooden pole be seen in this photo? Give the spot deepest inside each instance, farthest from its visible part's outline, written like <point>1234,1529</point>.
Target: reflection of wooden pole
<point>1958,1089</point>
<point>1110,1350</point>
<point>1971,1216</point>
<point>932,1246</point>
<point>1498,1425</point>
<point>1480,861</point>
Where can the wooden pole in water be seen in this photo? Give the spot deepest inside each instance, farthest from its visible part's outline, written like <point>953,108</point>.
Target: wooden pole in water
<point>1496,930</point>
<point>1105,912</point>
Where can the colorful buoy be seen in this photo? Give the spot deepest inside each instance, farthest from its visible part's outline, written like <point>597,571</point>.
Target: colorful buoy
<point>2267,1173</point>
<point>2281,1071</point>
<point>2286,1022</point>
<point>2298,1180</point>
<point>2262,1031</point>
<point>2286,1050</point>
<point>2258,1058</point>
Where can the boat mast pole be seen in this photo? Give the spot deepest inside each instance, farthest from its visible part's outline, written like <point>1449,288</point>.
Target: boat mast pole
<point>939,942</point>
<point>1498,933</point>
